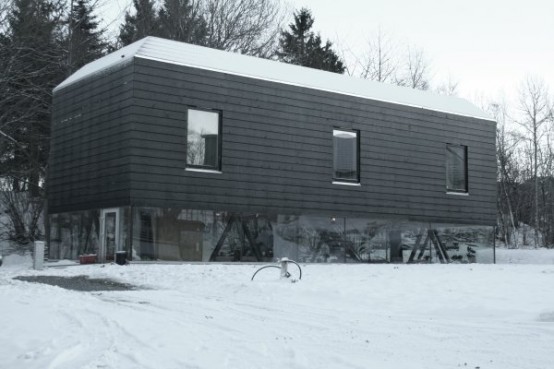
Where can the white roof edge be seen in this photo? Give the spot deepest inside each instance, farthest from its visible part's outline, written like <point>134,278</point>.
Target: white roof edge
<point>179,53</point>
<point>484,117</point>
<point>125,54</point>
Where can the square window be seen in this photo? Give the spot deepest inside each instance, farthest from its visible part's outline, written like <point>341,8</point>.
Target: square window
<point>456,168</point>
<point>345,156</point>
<point>203,139</point>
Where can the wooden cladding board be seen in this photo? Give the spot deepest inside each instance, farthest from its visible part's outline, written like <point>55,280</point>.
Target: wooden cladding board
<point>277,149</point>
<point>89,158</point>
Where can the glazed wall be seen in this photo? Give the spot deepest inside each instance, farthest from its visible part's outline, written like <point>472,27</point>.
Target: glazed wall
<point>211,235</point>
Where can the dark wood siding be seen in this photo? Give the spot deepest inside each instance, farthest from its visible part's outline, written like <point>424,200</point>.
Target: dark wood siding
<point>89,157</point>
<point>277,150</point>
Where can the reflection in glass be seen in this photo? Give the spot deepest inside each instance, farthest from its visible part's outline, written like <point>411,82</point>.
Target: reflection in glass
<point>345,155</point>
<point>203,139</point>
<point>285,237</point>
<point>367,240</point>
<point>310,239</point>
<point>201,235</point>
<point>146,238</point>
<point>170,234</point>
<point>174,234</point>
<point>74,234</point>
<point>110,234</point>
<point>243,237</point>
<point>466,244</point>
<point>456,168</point>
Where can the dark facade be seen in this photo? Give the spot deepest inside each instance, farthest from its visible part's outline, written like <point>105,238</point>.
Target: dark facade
<point>119,141</point>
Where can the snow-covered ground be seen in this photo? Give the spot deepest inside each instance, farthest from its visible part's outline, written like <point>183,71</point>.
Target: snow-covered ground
<point>338,316</point>
<point>525,256</point>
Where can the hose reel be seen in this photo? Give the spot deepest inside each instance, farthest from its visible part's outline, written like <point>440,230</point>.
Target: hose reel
<point>282,264</point>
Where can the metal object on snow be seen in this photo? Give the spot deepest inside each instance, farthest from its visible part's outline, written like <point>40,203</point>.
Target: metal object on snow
<point>283,267</point>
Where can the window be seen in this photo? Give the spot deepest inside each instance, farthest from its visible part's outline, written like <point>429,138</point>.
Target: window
<point>203,139</point>
<point>456,168</point>
<point>345,156</point>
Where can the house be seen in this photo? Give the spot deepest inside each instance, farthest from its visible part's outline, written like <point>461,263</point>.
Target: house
<point>171,151</point>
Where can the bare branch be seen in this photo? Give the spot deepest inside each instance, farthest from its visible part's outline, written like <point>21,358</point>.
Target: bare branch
<point>416,70</point>
<point>246,26</point>
<point>535,109</point>
<point>448,87</point>
<point>380,62</point>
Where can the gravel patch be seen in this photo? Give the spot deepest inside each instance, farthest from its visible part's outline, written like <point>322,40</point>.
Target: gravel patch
<point>79,283</point>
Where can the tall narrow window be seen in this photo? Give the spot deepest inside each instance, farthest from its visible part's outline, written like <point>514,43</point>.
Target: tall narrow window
<point>345,156</point>
<point>203,139</point>
<point>456,168</point>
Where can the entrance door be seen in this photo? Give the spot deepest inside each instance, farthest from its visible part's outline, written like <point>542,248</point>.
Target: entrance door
<point>109,234</point>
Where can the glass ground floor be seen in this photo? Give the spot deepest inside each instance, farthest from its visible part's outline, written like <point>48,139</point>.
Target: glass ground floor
<point>158,234</point>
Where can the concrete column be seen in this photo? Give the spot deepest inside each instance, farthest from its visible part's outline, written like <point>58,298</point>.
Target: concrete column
<point>38,255</point>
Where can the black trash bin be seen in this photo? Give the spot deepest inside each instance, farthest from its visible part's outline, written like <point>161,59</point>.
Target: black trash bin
<point>121,257</point>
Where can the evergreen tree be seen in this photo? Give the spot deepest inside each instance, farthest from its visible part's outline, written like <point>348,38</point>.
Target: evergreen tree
<point>143,23</point>
<point>299,45</point>
<point>30,67</point>
<point>323,57</point>
<point>293,43</point>
<point>86,41</point>
<point>182,20</point>
<point>31,61</point>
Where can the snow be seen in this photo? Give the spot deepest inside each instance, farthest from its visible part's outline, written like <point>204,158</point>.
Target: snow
<point>123,55</point>
<point>337,316</point>
<point>16,261</point>
<point>180,53</point>
<point>525,256</point>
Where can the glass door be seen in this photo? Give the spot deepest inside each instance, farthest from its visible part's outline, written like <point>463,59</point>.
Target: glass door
<point>109,233</point>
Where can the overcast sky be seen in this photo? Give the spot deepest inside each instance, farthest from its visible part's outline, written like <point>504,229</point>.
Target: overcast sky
<point>488,46</point>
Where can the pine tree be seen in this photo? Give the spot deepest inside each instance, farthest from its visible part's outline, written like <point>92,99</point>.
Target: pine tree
<point>299,45</point>
<point>86,41</point>
<point>144,23</point>
<point>293,43</point>
<point>182,20</point>
<point>323,57</point>
<point>30,66</point>
<point>31,57</point>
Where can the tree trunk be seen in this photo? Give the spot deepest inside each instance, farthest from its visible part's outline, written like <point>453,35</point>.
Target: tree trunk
<point>536,194</point>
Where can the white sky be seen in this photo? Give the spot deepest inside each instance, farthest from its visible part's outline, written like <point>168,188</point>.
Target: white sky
<point>488,46</point>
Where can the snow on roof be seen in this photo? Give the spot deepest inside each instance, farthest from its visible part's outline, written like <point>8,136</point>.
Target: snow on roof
<point>181,53</point>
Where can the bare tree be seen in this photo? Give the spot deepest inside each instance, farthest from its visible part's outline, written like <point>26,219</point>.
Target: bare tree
<point>5,8</point>
<point>383,62</point>
<point>536,111</point>
<point>415,71</point>
<point>380,62</point>
<point>21,225</point>
<point>547,190</point>
<point>347,55</point>
<point>448,87</point>
<point>246,26</point>
<point>507,174</point>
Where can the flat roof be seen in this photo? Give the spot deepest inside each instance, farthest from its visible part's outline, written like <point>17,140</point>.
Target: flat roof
<point>180,53</point>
